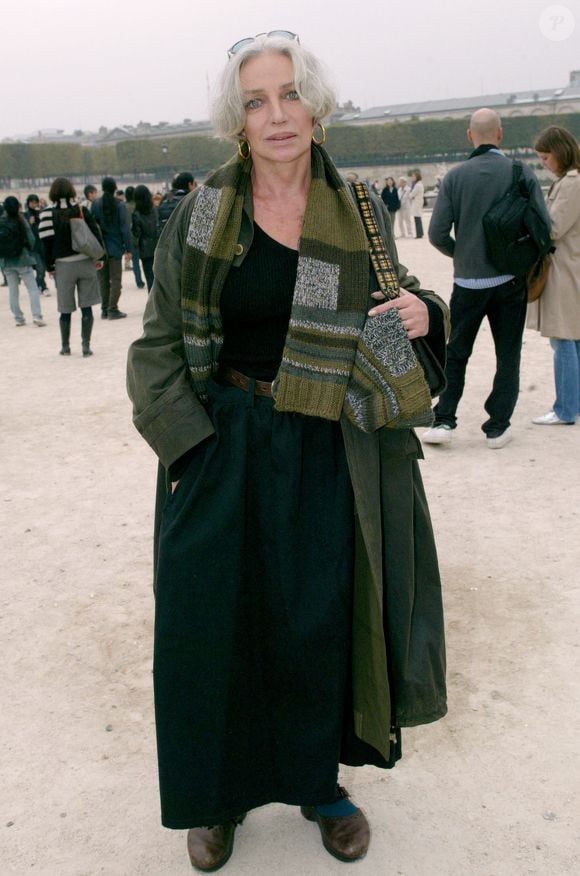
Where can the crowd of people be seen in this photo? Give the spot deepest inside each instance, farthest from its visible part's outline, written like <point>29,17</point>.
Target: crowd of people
<point>483,290</point>
<point>37,241</point>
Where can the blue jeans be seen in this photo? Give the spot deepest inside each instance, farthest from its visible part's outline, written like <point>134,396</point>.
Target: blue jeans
<point>13,277</point>
<point>566,378</point>
<point>136,266</point>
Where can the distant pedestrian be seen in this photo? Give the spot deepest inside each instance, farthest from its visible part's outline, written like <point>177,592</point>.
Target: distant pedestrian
<point>75,274</point>
<point>91,194</point>
<point>32,214</point>
<point>404,216</point>
<point>390,197</point>
<point>145,230</point>
<point>417,196</point>
<point>17,260</point>
<point>111,215</point>
<point>556,314</point>
<point>182,185</point>
<point>130,205</point>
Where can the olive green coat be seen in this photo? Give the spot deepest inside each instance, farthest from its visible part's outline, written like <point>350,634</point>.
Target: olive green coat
<point>399,655</point>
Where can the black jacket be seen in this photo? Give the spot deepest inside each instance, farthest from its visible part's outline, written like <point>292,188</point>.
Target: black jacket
<point>145,232</point>
<point>168,205</point>
<point>391,198</point>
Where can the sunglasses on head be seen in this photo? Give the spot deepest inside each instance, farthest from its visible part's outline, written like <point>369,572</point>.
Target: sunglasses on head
<point>285,34</point>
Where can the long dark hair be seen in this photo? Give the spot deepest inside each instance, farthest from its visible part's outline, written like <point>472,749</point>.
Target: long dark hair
<point>12,206</point>
<point>109,187</point>
<point>143,200</point>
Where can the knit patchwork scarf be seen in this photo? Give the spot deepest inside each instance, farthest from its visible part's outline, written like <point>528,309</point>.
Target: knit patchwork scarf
<point>335,360</point>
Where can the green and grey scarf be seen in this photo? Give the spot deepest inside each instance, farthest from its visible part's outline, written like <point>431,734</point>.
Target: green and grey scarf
<point>335,359</point>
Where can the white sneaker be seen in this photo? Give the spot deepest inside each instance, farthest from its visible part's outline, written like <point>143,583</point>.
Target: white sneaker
<point>441,434</point>
<point>551,419</point>
<point>500,440</point>
<point>39,322</point>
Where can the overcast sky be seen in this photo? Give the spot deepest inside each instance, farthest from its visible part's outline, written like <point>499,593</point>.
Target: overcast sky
<point>69,64</point>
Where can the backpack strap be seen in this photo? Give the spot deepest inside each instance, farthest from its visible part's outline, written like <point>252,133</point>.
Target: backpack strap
<point>518,180</point>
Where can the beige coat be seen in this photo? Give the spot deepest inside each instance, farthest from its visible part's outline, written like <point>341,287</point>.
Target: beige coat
<point>556,314</point>
<point>416,198</point>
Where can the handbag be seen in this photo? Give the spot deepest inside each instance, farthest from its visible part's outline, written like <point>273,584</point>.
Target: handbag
<point>82,238</point>
<point>537,276</point>
<point>388,281</point>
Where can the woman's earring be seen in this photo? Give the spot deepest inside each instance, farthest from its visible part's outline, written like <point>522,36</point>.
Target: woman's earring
<point>244,153</point>
<point>322,140</point>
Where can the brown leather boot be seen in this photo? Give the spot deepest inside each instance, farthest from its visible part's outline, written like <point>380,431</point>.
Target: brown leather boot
<point>211,847</point>
<point>346,837</point>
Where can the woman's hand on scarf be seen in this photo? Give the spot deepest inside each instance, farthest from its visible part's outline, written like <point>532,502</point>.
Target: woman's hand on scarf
<point>414,312</point>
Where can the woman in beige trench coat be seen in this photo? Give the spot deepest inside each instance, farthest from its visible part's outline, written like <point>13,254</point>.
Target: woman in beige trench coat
<point>556,314</point>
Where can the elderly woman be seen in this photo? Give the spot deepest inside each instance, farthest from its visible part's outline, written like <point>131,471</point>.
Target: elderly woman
<point>556,314</point>
<point>298,600</point>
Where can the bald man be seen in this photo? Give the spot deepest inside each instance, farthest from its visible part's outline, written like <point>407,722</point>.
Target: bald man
<point>479,289</point>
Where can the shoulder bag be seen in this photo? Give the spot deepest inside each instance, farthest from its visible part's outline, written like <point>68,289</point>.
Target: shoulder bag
<point>82,238</point>
<point>538,276</point>
<point>388,282</point>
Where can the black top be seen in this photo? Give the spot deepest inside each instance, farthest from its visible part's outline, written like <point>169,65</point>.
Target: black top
<point>255,305</point>
<point>390,197</point>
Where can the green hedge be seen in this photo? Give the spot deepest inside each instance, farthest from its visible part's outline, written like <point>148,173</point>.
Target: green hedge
<point>394,142</point>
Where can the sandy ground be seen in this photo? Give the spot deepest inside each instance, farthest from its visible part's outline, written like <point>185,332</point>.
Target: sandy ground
<point>489,791</point>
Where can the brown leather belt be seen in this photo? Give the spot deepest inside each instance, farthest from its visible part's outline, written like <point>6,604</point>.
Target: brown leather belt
<point>236,378</point>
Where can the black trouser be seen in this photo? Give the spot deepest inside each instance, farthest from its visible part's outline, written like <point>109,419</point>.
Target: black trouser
<point>505,308</point>
<point>110,277</point>
<point>418,226</point>
<point>147,264</point>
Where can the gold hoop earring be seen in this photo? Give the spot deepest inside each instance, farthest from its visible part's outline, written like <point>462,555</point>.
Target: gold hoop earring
<point>322,140</point>
<point>243,154</point>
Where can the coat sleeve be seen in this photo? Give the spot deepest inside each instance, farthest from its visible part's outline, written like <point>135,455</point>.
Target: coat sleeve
<point>166,411</point>
<point>565,207</point>
<point>442,222</point>
<point>536,196</point>
<point>125,230</point>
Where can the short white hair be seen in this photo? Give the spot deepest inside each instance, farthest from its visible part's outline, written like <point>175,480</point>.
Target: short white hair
<point>311,81</point>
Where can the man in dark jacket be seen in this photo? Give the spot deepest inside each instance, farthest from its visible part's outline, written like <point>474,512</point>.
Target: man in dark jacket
<point>479,289</point>
<point>182,184</point>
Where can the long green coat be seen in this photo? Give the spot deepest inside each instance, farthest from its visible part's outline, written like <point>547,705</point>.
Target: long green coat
<point>398,656</point>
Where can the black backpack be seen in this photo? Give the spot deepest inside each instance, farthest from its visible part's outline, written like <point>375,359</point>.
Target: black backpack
<point>516,234</point>
<point>167,206</point>
<point>11,238</point>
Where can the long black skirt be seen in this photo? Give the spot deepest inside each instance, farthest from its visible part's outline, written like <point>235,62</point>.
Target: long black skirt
<point>253,615</point>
